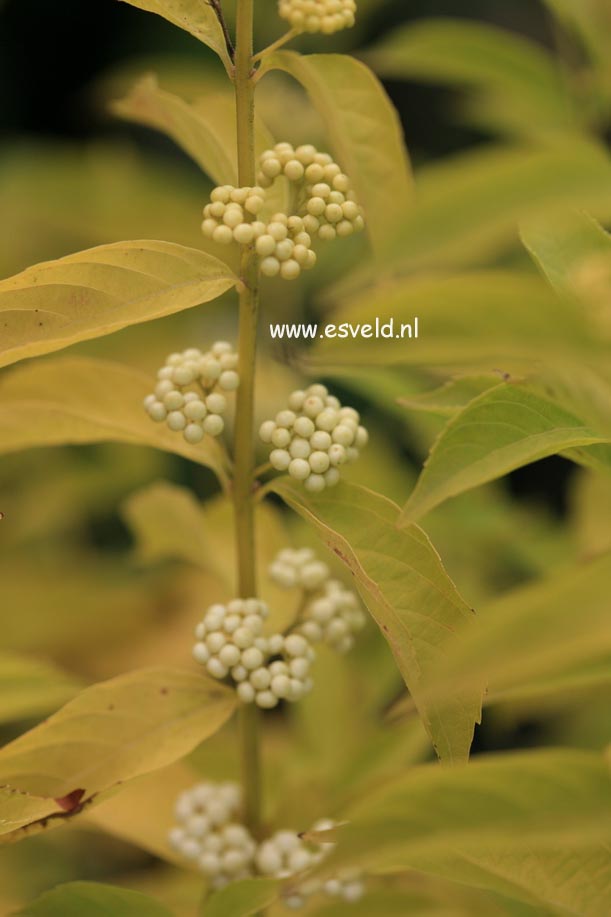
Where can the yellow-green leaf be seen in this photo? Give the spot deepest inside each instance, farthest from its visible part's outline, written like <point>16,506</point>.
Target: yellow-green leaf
<point>403,583</point>
<point>499,431</point>
<point>83,296</point>
<point>364,131</point>
<point>574,253</point>
<point>205,128</point>
<point>168,522</point>
<point>194,16</point>
<point>469,208</point>
<point>30,687</point>
<point>84,400</point>
<point>242,899</point>
<point>468,823</point>
<point>92,899</point>
<point>538,640</point>
<point>112,732</point>
<point>452,396</point>
<point>519,87</point>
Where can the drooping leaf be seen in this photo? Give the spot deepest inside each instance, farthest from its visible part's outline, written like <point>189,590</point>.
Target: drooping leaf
<point>403,583</point>
<point>363,129</point>
<point>104,289</point>
<point>193,16</point>
<point>92,899</point>
<point>205,129</point>
<point>242,899</point>
<point>499,431</point>
<point>84,400</point>
<point>469,824</point>
<point>111,732</point>
<point>519,87</point>
<point>30,687</point>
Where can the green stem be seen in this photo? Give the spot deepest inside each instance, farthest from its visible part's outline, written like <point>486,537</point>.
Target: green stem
<point>288,36</point>
<point>244,459</point>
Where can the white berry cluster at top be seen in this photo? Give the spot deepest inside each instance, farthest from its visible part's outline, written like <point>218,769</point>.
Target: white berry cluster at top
<point>286,854</point>
<point>189,395</point>
<point>327,208</point>
<point>326,16</point>
<point>331,613</point>
<point>209,834</point>
<point>266,670</point>
<point>314,437</point>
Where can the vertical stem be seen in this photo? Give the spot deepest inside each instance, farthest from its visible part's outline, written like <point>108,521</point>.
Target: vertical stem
<point>244,427</point>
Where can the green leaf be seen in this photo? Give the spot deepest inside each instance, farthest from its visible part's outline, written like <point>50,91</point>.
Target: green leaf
<point>468,208</point>
<point>531,643</point>
<point>104,289</point>
<point>403,583</point>
<point>84,400</point>
<point>574,253</point>
<point>364,131</point>
<point>242,899</point>
<point>205,128</point>
<point>473,321</point>
<point>30,687</point>
<point>92,899</point>
<point>469,823</point>
<point>452,396</point>
<point>112,732</point>
<point>499,431</point>
<point>194,16</point>
<point>519,87</point>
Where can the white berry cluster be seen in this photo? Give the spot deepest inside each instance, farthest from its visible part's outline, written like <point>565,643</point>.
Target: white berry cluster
<point>266,670</point>
<point>189,395</point>
<point>328,208</point>
<point>285,854</point>
<point>314,438</point>
<point>326,16</point>
<point>331,613</point>
<point>209,834</point>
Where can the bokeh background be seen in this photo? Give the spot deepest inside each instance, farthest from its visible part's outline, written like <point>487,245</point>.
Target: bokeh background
<point>79,587</point>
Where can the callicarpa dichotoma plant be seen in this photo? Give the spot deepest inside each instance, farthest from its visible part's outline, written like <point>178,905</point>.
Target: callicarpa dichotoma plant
<point>279,763</point>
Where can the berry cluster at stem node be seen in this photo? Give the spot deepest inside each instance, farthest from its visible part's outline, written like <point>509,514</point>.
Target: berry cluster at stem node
<point>208,833</point>
<point>326,16</point>
<point>264,669</point>
<point>330,613</point>
<point>286,854</point>
<point>190,395</point>
<point>327,208</point>
<point>314,437</point>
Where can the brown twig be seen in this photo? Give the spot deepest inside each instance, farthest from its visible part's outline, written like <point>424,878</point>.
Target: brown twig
<point>216,6</point>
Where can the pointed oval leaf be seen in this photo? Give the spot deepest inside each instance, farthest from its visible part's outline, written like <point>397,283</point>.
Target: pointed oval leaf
<point>194,16</point>
<point>242,899</point>
<point>499,431</point>
<point>93,899</point>
<point>403,583</point>
<point>468,824</point>
<point>95,292</point>
<point>84,400</point>
<point>109,733</point>
<point>364,131</point>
